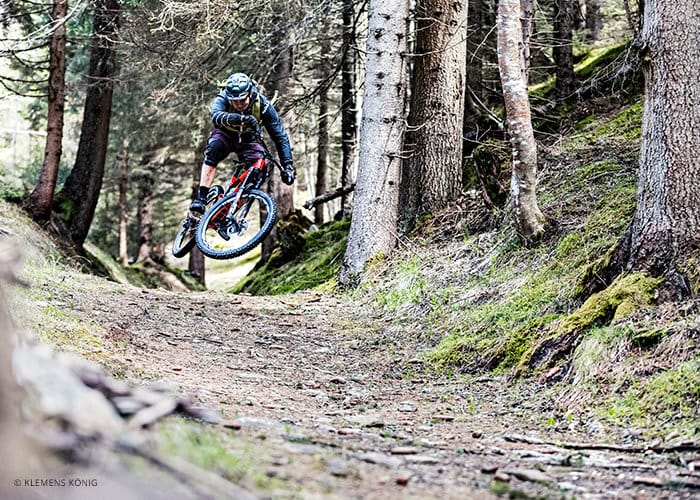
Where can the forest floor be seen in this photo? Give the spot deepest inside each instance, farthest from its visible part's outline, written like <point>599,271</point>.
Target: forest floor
<point>321,397</point>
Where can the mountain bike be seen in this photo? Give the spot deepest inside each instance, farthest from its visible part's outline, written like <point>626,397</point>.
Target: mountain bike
<point>236,219</point>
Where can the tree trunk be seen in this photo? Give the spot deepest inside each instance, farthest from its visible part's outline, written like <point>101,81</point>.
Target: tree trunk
<point>563,49</point>
<point>348,104</point>
<point>322,163</point>
<point>529,221</point>
<point>41,199</point>
<point>473,93</point>
<point>80,193</point>
<point>434,172</point>
<point>634,19</point>
<point>196,264</point>
<point>665,231</point>
<point>594,19</point>
<point>281,80</point>
<point>123,189</point>
<point>375,209</point>
<point>527,15</point>
<point>146,181</point>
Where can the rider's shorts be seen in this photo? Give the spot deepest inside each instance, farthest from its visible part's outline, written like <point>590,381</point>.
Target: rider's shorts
<point>221,144</point>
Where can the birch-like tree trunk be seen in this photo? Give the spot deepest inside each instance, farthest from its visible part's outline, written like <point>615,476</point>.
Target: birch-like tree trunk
<point>527,16</point>
<point>434,171</point>
<point>123,188</point>
<point>41,199</point>
<point>375,207</point>
<point>529,221</point>
<point>665,232</point>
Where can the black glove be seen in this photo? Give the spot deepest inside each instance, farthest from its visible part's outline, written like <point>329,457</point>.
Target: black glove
<point>250,121</point>
<point>288,174</point>
<point>232,120</point>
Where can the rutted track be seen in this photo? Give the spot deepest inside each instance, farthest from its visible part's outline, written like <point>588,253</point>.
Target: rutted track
<point>322,390</point>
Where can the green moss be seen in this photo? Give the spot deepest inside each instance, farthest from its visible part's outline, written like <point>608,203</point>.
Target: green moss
<point>493,335</point>
<point>520,341</point>
<point>408,289</point>
<point>317,263</point>
<point>600,231</point>
<point>624,296</point>
<point>625,126</point>
<point>208,448</point>
<point>668,401</point>
<point>627,294</point>
<point>597,58</point>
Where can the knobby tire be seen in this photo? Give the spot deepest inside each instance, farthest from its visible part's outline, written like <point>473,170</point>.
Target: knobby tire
<point>215,247</point>
<point>185,238</point>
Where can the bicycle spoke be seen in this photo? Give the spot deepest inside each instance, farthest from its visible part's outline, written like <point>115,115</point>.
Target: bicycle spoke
<point>227,232</point>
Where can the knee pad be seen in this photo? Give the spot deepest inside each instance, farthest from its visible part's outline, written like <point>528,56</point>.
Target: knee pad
<point>215,152</point>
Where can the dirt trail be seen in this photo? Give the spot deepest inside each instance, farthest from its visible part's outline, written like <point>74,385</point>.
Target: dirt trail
<point>334,405</point>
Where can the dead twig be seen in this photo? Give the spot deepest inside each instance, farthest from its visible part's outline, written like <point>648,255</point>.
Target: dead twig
<point>330,195</point>
<point>609,447</point>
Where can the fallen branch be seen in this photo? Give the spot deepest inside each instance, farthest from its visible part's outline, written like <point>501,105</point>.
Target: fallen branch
<point>609,447</point>
<point>328,196</point>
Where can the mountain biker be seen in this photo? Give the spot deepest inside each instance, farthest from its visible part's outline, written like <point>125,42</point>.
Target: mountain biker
<point>236,113</point>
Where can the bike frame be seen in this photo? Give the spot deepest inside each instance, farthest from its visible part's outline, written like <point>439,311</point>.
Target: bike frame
<point>257,172</point>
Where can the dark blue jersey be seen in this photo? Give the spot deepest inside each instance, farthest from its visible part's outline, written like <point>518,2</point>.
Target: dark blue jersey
<point>232,123</point>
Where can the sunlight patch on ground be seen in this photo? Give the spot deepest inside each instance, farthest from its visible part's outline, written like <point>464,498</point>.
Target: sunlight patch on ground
<point>224,274</point>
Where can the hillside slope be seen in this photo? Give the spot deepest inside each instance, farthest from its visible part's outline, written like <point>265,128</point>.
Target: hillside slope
<point>479,303</point>
<point>317,396</point>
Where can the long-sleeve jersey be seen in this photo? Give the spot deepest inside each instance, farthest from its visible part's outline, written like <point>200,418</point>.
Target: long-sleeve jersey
<point>231,123</point>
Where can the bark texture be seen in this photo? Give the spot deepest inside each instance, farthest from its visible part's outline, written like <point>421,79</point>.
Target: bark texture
<point>123,190</point>
<point>375,210</point>
<point>323,144</point>
<point>349,104</point>
<point>434,171</point>
<point>563,49</point>
<point>281,80</point>
<point>196,263</point>
<point>528,218</point>
<point>145,180</point>
<point>665,232</point>
<point>41,199</point>
<point>81,190</point>
<point>594,19</point>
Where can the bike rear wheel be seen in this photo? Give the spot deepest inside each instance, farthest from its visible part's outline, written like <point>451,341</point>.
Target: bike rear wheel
<point>224,233</point>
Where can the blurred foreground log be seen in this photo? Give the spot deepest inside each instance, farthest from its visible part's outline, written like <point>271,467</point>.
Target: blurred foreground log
<point>62,420</point>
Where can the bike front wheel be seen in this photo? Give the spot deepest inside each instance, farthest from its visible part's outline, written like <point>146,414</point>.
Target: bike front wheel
<point>186,237</point>
<point>228,231</point>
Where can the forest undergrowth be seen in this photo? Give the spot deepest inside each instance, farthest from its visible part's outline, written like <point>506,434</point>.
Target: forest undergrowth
<point>478,303</point>
<point>437,345</point>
